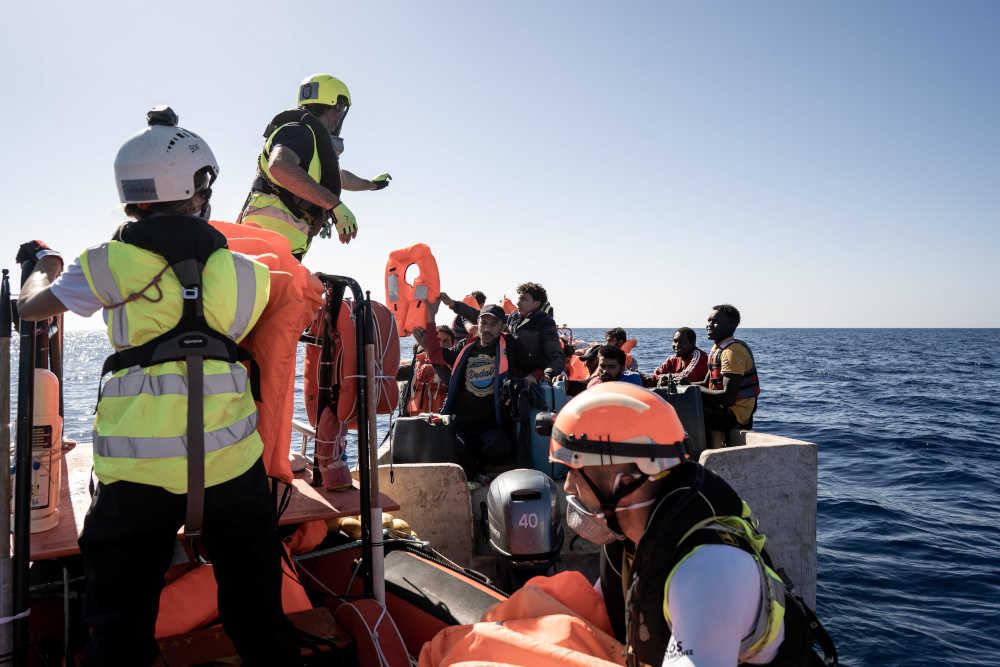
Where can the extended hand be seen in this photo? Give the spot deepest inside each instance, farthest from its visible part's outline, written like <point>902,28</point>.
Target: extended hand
<point>347,225</point>
<point>381,181</point>
<point>447,300</point>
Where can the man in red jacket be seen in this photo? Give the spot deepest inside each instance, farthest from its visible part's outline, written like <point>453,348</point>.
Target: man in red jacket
<point>689,365</point>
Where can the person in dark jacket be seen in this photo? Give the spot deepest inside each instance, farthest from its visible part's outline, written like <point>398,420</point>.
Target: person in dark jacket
<point>536,331</point>
<point>479,367</point>
<point>465,315</point>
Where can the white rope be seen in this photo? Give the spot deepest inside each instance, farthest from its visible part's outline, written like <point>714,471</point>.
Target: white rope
<point>10,619</point>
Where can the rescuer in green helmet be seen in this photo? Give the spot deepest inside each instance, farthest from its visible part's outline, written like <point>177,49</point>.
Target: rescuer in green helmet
<point>299,180</point>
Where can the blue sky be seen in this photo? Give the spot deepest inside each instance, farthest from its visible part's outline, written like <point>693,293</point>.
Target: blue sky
<point>816,164</point>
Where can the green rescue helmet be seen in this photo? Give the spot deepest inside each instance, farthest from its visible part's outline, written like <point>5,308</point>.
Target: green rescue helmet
<point>324,89</point>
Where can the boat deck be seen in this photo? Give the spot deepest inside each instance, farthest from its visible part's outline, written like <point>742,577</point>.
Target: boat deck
<point>306,504</point>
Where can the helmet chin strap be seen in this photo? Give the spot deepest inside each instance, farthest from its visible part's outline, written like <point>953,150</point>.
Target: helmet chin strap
<point>608,505</point>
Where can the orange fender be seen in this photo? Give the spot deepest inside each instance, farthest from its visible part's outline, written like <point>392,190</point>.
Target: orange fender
<point>406,300</point>
<point>192,600</point>
<point>307,536</point>
<point>508,306</point>
<point>295,295</point>
<point>188,602</point>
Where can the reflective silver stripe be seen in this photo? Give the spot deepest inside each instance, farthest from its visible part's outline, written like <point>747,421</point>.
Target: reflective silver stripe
<point>392,285</point>
<point>154,448</point>
<point>246,295</point>
<point>277,213</point>
<point>107,290</point>
<point>136,382</point>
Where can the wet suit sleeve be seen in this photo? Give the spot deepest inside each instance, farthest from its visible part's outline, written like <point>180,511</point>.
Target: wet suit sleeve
<point>299,138</point>
<point>712,600</point>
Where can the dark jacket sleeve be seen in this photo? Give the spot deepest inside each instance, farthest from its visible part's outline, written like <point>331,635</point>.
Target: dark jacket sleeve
<point>552,352</point>
<point>465,310</point>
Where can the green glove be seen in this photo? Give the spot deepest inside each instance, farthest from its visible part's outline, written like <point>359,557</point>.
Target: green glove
<point>344,220</point>
<point>381,181</point>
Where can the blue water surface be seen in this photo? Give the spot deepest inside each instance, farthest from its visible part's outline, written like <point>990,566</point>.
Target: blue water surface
<point>908,427</point>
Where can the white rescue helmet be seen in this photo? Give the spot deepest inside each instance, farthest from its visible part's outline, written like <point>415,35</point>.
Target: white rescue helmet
<point>163,162</point>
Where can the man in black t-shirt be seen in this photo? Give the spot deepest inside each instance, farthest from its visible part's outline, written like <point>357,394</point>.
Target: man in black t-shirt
<point>479,367</point>
<point>299,180</point>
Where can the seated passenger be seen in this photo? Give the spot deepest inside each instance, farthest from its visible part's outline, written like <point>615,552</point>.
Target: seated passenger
<point>479,367</point>
<point>429,385</point>
<point>617,338</point>
<point>465,315</point>
<point>689,365</point>
<point>611,367</point>
<point>730,391</point>
<point>575,370</point>
<point>590,358</point>
<point>536,332</point>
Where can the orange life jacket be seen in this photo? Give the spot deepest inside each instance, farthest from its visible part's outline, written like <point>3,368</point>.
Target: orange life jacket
<point>576,369</point>
<point>508,306</point>
<point>427,394</point>
<point>295,295</point>
<point>471,302</point>
<point>406,300</point>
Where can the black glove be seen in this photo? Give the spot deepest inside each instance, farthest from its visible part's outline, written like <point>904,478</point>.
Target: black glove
<point>381,181</point>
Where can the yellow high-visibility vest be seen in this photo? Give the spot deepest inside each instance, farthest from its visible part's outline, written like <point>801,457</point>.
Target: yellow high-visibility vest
<point>140,432</point>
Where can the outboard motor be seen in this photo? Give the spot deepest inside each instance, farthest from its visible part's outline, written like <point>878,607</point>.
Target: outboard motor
<point>526,525</point>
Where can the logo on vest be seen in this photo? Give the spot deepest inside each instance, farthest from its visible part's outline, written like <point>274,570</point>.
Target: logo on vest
<point>676,650</point>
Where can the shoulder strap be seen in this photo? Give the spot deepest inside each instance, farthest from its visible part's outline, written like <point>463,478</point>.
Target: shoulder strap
<point>328,160</point>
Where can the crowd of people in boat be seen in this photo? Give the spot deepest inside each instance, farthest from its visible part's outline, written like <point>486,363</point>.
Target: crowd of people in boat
<point>476,367</point>
<point>176,439</point>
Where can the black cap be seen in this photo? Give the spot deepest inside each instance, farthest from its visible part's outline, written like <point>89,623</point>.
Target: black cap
<point>591,352</point>
<point>494,310</point>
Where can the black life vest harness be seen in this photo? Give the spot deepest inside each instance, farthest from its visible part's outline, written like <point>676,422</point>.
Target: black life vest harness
<point>329,165</point>
<point>691,495</point>
<point>749,385</point>
<point>186,242</point>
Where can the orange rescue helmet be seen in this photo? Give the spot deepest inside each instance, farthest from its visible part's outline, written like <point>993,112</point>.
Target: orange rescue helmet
<point>618,422</point>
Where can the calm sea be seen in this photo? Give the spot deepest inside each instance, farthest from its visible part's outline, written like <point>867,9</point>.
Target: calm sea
<point>908,427</point>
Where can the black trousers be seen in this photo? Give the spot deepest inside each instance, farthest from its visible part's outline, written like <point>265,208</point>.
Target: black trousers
<point>482,444</point>
<point>127,543</point>
<point>720,418</point>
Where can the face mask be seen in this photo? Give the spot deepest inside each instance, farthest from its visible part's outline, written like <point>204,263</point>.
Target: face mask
<point>592,526</point>
<point>588,525</point>
<point>338,144</point>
